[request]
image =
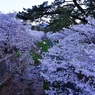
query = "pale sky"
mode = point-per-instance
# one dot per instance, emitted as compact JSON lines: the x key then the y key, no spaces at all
{"x":7,"y":6}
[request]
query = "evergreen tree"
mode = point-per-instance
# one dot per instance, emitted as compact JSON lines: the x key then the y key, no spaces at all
{"x":61,"y":13}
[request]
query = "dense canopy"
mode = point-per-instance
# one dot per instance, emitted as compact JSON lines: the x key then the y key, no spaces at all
{"x":67,"y":66}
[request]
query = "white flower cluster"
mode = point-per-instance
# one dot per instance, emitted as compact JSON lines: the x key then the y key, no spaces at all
{"x":71,"y":62}
{"x":16,"y":41}
{"x":69,"y":65}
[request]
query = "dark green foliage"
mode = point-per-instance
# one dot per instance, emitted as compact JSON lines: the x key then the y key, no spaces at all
{"x":44,"y":45}
{"x":35,"y":57}
{"x":45,"y":85}
{"x":62,"y":13}
{"x":1,"y":86}
{"x":18,"y":53}
{"x":35,"y":13}
{"x":57,"y":22}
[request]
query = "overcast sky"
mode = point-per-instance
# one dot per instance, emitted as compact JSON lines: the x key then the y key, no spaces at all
{"x":7,"y":6}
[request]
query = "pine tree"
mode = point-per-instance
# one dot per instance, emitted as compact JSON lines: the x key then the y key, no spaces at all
{"x":61,"y":13}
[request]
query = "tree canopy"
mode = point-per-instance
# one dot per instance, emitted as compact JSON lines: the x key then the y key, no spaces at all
{"x":60,"y":13}
{"x":66,"y":69}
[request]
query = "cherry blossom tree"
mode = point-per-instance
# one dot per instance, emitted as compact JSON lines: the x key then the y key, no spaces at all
{"x":68,"y":67}
{"x":16,"y":42}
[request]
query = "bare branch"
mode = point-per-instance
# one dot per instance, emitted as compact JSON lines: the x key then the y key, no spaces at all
{"x":78,"y":6}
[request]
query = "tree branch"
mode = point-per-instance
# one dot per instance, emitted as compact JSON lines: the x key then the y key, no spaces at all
{"x":82,"y":19}
{"x":78,"y":6}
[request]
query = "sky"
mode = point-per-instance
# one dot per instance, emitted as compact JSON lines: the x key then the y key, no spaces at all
{"x":7,"y":6}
